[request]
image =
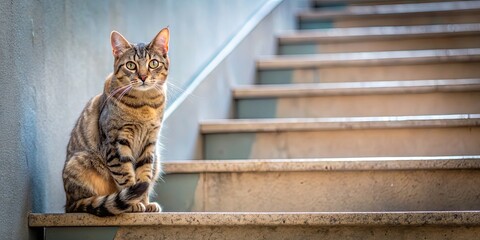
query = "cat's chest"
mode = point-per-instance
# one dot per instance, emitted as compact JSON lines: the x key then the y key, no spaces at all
{"x":144,"y":114}
{"x":138,"y":134}
{"x":138,"y":113}
{"x":141,"y":136}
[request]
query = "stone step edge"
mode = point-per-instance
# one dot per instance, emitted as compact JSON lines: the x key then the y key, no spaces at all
{"x":370,"y":1}
{"x":368,"y":58}
{"x":356,"y":88}
{"x":323,"y":164}
{"x":406,"y":9}
{"x":432,"y":218}
{"x":338,"y":123}
{"x":337,"y":35}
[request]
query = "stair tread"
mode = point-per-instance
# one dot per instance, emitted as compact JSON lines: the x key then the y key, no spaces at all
{"x":355,"y":88}
{"x":362,"y":33}
{"x":370,"y":1}
{"x":394,"y":9}
{"x":338,"y":123}
{"x":323,"y":164}
{"x":368,"y":58}
{"x":411,"y":218}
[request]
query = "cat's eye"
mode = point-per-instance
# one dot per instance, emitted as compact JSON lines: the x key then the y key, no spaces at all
{"x":130,"y":65}
{"x":153,"y":64}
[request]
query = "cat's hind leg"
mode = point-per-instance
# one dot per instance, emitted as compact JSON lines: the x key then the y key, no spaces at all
{"x":90,"y":188}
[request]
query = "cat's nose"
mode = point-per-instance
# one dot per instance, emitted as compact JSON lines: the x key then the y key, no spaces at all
{"x":143,"y":77}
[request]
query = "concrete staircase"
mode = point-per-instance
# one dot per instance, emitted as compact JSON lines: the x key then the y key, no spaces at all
{"x":364,"y":126}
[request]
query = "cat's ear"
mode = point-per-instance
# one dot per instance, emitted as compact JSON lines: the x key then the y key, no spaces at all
{"x":119,"y":43}
{"x":160,"y":42}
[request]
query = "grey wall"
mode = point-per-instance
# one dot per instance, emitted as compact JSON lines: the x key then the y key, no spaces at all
{"x":54,"y":57}
{"x":212,"y":99}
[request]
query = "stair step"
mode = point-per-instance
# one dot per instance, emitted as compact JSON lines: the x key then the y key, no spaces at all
{"x":322,"y":164}
{"x":347,"y":123}
{"x":380,"y":39}
{"x":342,"y":137}
{"x":370,"y":66}
{"x":326,"y":185}
{"x":353,"y":225}
{"x":361,"y":99}
{"x":341,"y":4}
{"x":393,"y":15}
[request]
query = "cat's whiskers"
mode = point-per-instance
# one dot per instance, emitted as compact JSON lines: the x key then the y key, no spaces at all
{"x":124,"y":92}
{"x":114,"y":92}
{"x":174,"y":89}
{"x":161,"y":178}
{"x":158,"y":88}
{"x":160,"y":145}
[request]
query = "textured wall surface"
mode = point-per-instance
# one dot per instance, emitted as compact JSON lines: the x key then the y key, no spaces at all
{"x":212,"y":98}
{"x":54,"y":57}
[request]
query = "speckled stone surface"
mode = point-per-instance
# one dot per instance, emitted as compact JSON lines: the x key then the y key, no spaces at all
{"x":375,"y":43}
{"x":296,"y":124}
{"x":384,"y":70}
{"x":392,"y":9}
{"x":341,"y":191}
{"x":283,"y":139}
{"x":324,"y":184}
{"x":323,"y":164}
{"x":351,"y":105}
{"x":390,"y":98}
{"x":356,"y":88}
{"x":349,"y":34}
{"x":369,"y":58}
{"x":299,"y":232}
{"x":453,"y":218}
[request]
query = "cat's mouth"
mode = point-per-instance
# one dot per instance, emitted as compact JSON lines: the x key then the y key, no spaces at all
{"x":146,"y":85}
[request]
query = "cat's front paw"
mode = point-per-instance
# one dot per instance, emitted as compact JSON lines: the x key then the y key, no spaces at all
{"x":153,"y":207}
{"x":138,"y":207}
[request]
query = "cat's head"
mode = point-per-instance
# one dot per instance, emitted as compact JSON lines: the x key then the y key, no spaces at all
{"x":142,"y":66}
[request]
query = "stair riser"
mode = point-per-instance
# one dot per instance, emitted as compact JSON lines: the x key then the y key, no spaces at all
{"x":440,"y":141}
{"x":80,"y":233}
{"x":338,"y":4}
{"x":369,"y":73}
{"x":392,"y":20}
{"x":325,"y":191}
{"x":380,"y":45}
{"x":266,"y":232}
{"x":298,"y":232}
{"x":360,"y":105}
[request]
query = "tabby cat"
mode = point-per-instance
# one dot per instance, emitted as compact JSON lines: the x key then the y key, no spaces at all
{"x":111,"y":164}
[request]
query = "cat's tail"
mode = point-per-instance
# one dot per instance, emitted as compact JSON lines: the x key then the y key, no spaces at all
{"x":127,"y":200}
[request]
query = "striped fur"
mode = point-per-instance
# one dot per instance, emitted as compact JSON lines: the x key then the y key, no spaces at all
{"x":112,"y":165}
